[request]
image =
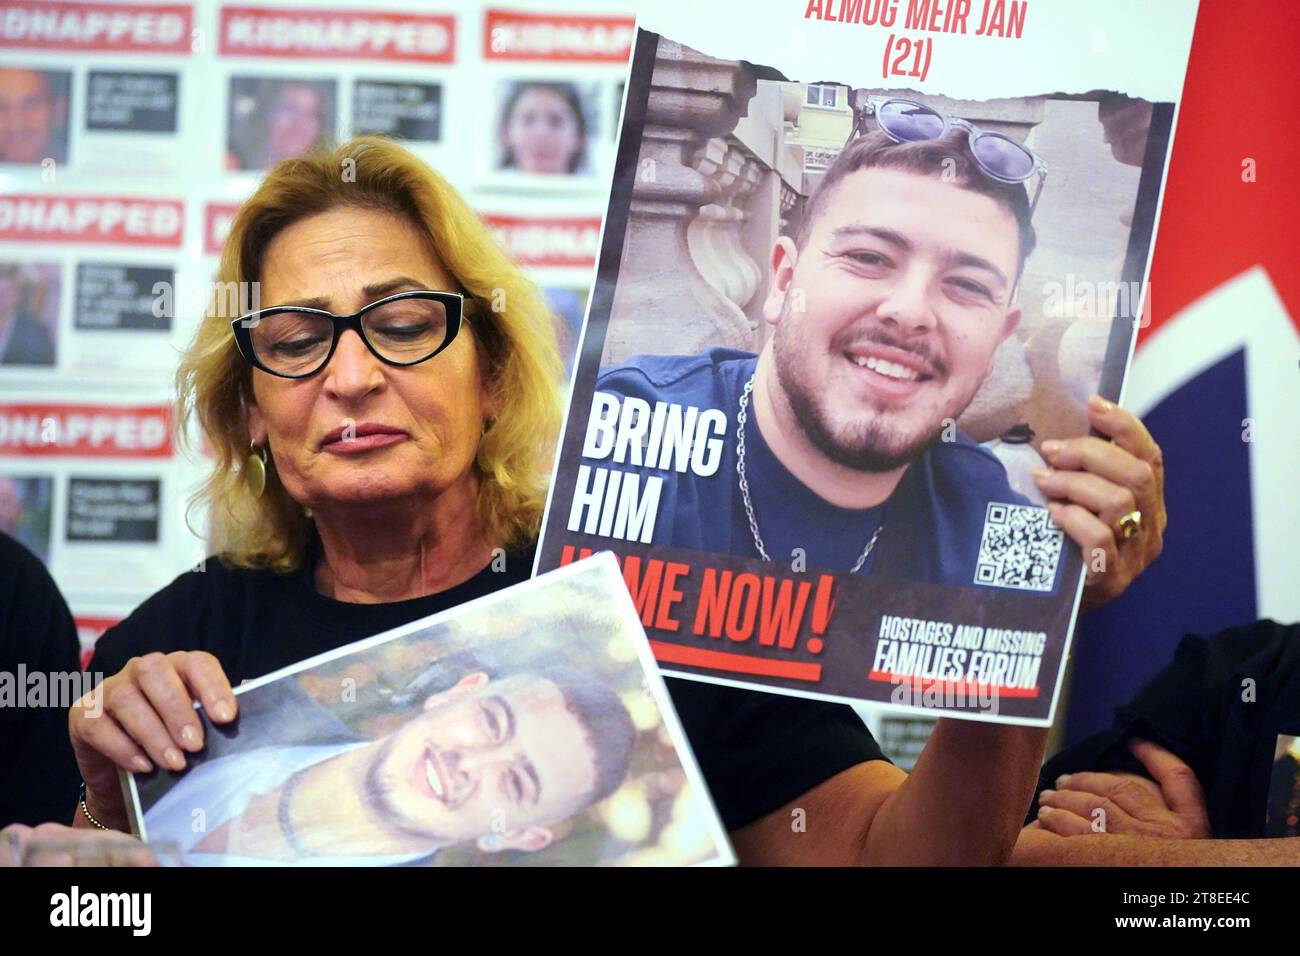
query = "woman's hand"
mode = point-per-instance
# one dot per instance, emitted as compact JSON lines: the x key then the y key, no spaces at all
{"x":144,"y":716}
{"x":1092,"y":483}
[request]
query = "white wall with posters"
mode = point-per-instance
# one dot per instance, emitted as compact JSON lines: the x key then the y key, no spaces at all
{"x":129,"y":134}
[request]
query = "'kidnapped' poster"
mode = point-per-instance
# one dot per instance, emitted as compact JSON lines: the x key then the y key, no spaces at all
{"x":861,"y":260}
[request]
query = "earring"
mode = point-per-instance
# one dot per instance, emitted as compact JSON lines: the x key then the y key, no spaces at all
{"x":255,"y":469}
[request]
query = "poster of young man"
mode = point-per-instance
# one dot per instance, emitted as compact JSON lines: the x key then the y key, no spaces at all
{"x":863,"y":268}
{"x":526,"y":728}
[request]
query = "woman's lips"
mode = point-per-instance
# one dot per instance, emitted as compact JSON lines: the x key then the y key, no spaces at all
{"x":363,"y":443}
{"x":364,"y":437}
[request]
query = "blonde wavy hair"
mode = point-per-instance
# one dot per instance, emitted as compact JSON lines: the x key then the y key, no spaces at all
{"x":513,"y":329}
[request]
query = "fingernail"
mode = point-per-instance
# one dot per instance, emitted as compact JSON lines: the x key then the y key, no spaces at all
{"x":190,"y":737}
{"x":223,"y":712}
{"x":1042,"y":473}
{"x":141,"y":765}
{"x":1063,"y":780}
{"x":1044,"y":811}
{"x":1052,"y":446}
{"x":174,"y":758}
{"x":1047,"y":793}
{"x":1100,"y":404}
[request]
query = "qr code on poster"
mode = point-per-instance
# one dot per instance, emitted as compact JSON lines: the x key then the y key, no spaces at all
{"x":1020,"y":548}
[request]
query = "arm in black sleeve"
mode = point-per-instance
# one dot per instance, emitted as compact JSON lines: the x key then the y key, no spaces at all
{"x":173,"y":619}
{"x":1182,"y":709}
{"x":759,"y":751}
{"x":37,"y":632}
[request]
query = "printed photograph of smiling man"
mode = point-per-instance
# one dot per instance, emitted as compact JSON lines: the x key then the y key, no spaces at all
{"x":523,"y":733}
{"x":895,"y":306}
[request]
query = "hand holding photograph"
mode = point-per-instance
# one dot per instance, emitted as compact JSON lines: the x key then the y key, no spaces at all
{"x":526,"y":728}
{"x":847,"y":314}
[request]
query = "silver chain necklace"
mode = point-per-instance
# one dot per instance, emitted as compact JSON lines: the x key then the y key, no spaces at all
{"x":741,"y":417}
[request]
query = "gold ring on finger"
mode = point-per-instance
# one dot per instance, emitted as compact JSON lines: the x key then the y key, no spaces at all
{"x":1129,"y":525}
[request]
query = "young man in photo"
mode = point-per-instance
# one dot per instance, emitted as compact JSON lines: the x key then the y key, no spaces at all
{"x":887,"y":308}
{"x":499,"y":763}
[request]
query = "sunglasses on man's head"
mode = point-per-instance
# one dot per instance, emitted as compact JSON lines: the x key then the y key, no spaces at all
{"x":997,"y":155}
{"x":403,"y":329}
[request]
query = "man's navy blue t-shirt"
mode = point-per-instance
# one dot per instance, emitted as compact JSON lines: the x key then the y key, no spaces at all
{"x":932,"y":523}
{"x":759,"y":751}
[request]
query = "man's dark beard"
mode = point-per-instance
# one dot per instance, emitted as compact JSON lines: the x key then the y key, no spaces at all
{"x":868,"y":454}
{"x":378,"y":795}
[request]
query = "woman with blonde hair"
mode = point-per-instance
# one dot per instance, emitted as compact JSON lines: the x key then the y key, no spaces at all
{"x":381,"y":427}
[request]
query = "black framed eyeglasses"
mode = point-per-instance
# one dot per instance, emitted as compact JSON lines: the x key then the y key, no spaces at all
{"x":997,"y":155}
{"x":403,"y":329}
